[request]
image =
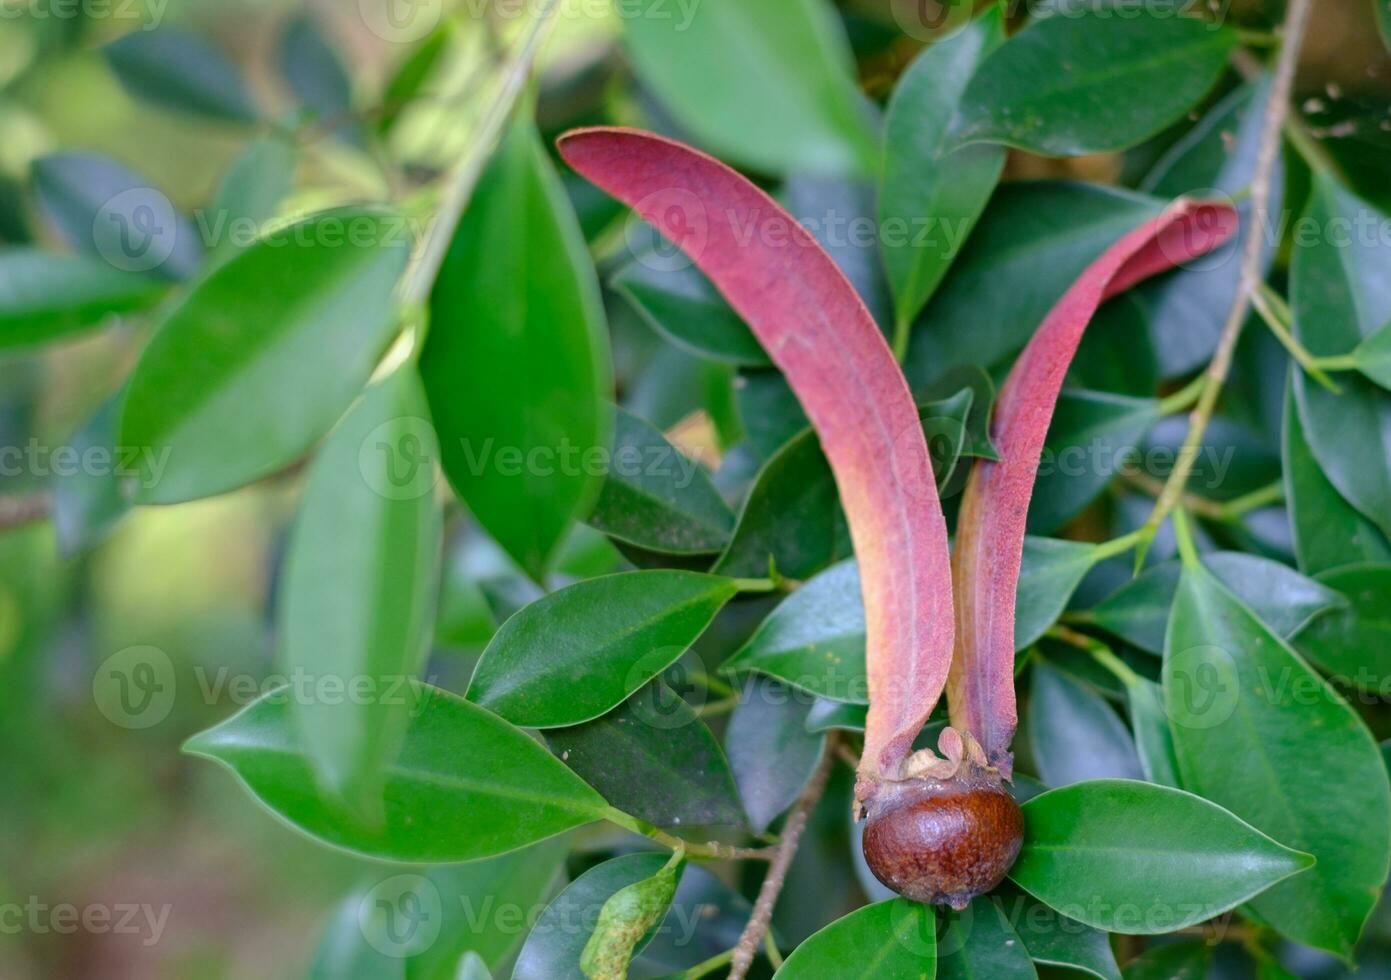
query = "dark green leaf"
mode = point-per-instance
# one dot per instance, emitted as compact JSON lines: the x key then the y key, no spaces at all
{"x":1055,"y":939}
{"x":358,"y":589}
{"x":676,"y":299}
{"x":1340,"y":294}
{"x":264,"y":354}
{"x":1052,"y":88}
{"x":466,"y":784}
{"x":103,"y":209}
{"x":1183,"y":960}
{"x":930,"y":200}
{"x":1354,"y":642}
{"x":979,"y":943}
{"x":87,"y":502}
{"x":1117,"y":354}
{"x":1150,"y":722}
{"x":1140,"y":859}
{"x":1074,"y":734}
{"x":967,"y":376}
{"x":704,"y":64}
{"x":251,"y":192}
{"x":657,"y":498}
{"x":626,"y":917}
{"x":826,"y":715}
{"x":516,"y":364}
{"x":771,"y":414}
{"x":1258,"y":731}
{"x":316,"y":76}
{"x":1373,"y":355}
{"x":1051,"y":571}
{"x":44,"y":296}
{"x":176,"y":69}
{"x":896,"y":938}
{"x":571,"y":656}
{"x":706,"y":918}
{"x":654,"y":758}
{"x":552,"y":949}
{"x":770,"y":750}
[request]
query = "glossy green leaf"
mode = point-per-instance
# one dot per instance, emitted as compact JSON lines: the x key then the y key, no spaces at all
{"x":1354,"y":642}
{"x":87,"y":502}
{"x":929,"y":200}
{"x":1340,"y":295}
{"x":653,"y":757}
{"x":979,"y":943}
{"x":105,"y":210}
{"x":1373,"y":355}
{"x":827,"y":714}
{"x":1141,"y":859}
{"x":1052,"y":88}
{"x":45,"y":296}
{"x":626,"y":917}
{"x":703,"y":64}
{"x":1051,"y":571}
{"x":358,"y":589}
{"x":676,"y":299}
{"x":896,"y":938}
{"x":770,"y":750}
{"x":1036,"y":236}
{"x":516,"y":363}
{"x":1056,"y":940}
{"x":466,"y":784}
{"x":571,"y":656}
{"x":1257,"y":731}
{"x":1153,"y":738}
{"x":264,"y":354}
{"x":553,"y":947}
{"x":1183,"y":960}
{"x":1138,"y":612}
{"x":1327,"y":530}
{"x":176,"y":69}
{"x":657,"y":498}
{"x":1074,"y":734}
{"x":250,"y":193}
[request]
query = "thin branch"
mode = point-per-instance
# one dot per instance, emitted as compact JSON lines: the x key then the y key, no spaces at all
{"x":752,"y":937}
{"x":1276,"y":112}
{"x":712,"y":850}
{"x":17,"y":510}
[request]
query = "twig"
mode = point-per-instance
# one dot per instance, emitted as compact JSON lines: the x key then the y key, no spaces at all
{"x":18,"y":510}
{"x":1277,"y":316}
{"x":752,"y":937}
{"x":714,"y":850}
{"x":1276,"y":111}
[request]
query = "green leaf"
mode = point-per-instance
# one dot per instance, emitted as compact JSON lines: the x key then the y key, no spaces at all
{"x":264,"y":354}
{"x":769,"y":411}
{"x":1257,"y":731}
{"x":1183,"y":960}
{"x":897,"y":938}
{"x":316,"y":76}
{"x":516,"y":364}
{"x":1074,"y":734}
{"x":1051,"y":571}
{"x":358,"y":589}
{"x":976,"y":440}
{"x":770,"y":750}
{"x":1327,"y":530}
{"x":1339,"y":295}
{"x":826,"y":715}
{"x":45,"y":296}
{"x":979,"y":943}
{"x":466,"y":784}
{"x":656,"y":498}
{"x":1383,"y":12}
{"x":1037,"y":236}
{"x":106,"y":210}
{"x":653,"y":757}
{"x":251,"y":191}
{"x":1373,"y":355}
{"x":1051,"y":89}
{"x":408,"y":83}
{"x":552,"y":949}
{"x":1138,"y":612}
{"x":1141,"y":859}
{"x":929,"y":199}
{"x":1354,"y":642}
{"x":703,"y":64}
{"x":571,"y":656}
{"x":629,"y":914}
{"x":176,"y":69}
{"x":1153,"y":739}
{"x":87,"y":503}
{"x":1056,"y":940}
{"x":676,"y":299}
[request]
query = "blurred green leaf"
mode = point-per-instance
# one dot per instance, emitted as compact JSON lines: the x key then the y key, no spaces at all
{"x":1140,"y":859}
{"x":466,"y":784}
{"x":1353,"y":642}
{"x":1258,"y":731}
{"x":176,"y":69}
{"x":264,"y":354}
{"x":251,"y":191}
{"x":414,"y":74}
{"x":770,"y":750}
{"x":316,"y":75}
{"x":1074,"y":734}
{"x":87,"y":503}
{"x":574,"y":654}
{"x":516,"y":364}
{"x":1051,"y":88}
{"x":704,"y":63}
{"x":896,"y":938}
{"x":625,"y":918}
{"x":46,"y":297}
{"x":358,"y":590}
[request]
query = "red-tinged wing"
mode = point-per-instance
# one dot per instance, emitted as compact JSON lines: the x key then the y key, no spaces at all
{"x":818,"y":332}
{"x":990,"y":529}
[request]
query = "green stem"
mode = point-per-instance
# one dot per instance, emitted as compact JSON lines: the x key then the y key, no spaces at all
{"x":1120,"y":545}
{"x":903,"y":328}
{"x":710,"y":850}
{"x":1183,"y":531}
{"x":1183,"y":399}
{"x":709,"y":966}
{"x":1336,"y":362}
{"x":720,"y":707}
{"x":1100,"y":652}
{"x":1275,"y":312}
{"x":1271,"y":493}
{"x":757,"y":584}
{"x":770,"y":948}
{"x":712,"y":683}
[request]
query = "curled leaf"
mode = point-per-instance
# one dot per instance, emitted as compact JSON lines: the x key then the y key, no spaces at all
{"x":628,"y":915}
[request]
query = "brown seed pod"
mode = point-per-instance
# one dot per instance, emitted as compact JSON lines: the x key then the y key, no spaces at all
{"x":943,"y":841}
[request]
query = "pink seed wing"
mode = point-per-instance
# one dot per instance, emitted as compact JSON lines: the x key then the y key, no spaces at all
{"x":817,"y":331}
{"x":990,"y":528}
